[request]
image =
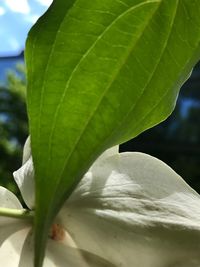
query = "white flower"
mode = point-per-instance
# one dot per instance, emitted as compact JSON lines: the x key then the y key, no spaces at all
{"x":129,"y":210}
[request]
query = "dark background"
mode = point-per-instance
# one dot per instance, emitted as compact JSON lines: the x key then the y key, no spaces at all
{"x":176,"y":141}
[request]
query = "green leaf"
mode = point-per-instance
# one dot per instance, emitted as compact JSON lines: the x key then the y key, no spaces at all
{"x":99,"y":73}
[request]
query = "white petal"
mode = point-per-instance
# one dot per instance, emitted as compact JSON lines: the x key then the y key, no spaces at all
{"x":24,"y":177}
{"x":27,"y":150}
{"x":64,"y":256}
{"x":8,"y":226}
{"x":133,"y":210}
{"x":18,"y":251}
{"x":57,"y":255}
{"x":8,"y":199}
{"x":11,"y":249}
{"x":107,"y":153}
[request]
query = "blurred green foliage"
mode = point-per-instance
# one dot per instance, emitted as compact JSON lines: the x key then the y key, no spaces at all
{"x":13,"y":125}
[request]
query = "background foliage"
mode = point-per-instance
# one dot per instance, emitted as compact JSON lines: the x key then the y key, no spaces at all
{"x":13,"y":125}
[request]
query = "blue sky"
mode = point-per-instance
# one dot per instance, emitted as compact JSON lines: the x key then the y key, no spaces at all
{"x":16,"y":18}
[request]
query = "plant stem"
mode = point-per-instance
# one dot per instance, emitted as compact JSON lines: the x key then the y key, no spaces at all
{"x":22,"y":214}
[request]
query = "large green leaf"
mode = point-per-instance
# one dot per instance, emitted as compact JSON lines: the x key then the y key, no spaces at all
{"x":99,"y":73}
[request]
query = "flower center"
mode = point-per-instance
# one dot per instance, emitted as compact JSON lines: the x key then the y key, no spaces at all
{"x":57,"y":232}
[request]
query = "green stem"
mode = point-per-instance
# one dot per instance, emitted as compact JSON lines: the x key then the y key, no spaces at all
{"x":22,"y":214}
